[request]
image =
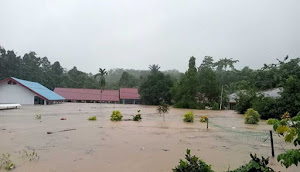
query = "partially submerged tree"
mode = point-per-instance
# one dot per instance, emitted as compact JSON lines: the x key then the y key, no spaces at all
{"x":163,"y":108}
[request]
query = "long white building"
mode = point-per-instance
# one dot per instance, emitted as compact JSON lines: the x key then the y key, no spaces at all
{"x":14,"y":90}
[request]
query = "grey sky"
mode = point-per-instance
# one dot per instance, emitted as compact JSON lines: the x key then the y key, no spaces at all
{"x":136,"y":33}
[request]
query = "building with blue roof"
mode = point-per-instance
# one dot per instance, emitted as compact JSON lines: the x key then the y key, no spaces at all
{"x":14,"y":90}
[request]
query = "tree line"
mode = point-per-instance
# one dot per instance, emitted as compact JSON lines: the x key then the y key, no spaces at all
{"x":200,"y":86}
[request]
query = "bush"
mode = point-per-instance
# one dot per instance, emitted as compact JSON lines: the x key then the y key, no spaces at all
{"x":255,"y":165}
{"x":272,"y":121}
{"x":137,"y":117}
{"x":39,"y":116}
{"x":92,"y":118}
{"x":6,"y":163}
{"x":116,"y":116}
{"x":215,"y":106}
{"x":251,"y":116}
{"x":203,"y":118}
{"x":188,"y":117}
{"x":192,"y":164}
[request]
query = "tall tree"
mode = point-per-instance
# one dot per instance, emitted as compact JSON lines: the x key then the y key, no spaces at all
{"x":128,"y":80}
{"x":185,"y":91}
{"x":101,"y":74}
{"x":155,"y":88}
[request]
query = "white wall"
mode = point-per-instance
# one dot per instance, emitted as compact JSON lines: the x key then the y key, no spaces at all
{"x":15,"y":94}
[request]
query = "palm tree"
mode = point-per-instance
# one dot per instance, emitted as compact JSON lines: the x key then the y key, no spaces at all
{"x":101,"y":74}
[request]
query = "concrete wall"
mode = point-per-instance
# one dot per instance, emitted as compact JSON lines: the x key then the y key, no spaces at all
{"x":15,"y":94}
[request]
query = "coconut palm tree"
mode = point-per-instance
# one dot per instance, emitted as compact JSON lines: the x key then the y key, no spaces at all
{"x":101,"y":74}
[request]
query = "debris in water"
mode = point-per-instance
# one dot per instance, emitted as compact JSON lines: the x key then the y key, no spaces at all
{"x":49,"y":132}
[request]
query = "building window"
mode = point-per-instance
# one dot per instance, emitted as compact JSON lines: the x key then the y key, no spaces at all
{"x":11,"y":82}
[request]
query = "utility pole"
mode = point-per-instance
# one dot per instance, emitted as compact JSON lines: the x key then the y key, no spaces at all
{"x":221,"y":98}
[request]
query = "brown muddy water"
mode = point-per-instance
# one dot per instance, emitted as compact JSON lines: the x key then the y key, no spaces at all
{"x":150,"y":145}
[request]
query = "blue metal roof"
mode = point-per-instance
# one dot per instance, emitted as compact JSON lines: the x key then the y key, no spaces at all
{"x":40,"y":89}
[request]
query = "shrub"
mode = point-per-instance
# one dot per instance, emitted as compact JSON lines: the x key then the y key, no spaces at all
{"x":116,"y":116}
{"x":215,"y":106}
{"x":92,"y":118}
{"x":203,"y":118}
{"x":137,"y":117}
{"x":251,"y":116}
{"x":192,"y":164}
{"x":6,"y":163}
{"x":39,"y":116}
{"x":188,"y":117}
{"x":272,"y":121}
{"x":255,"y":165}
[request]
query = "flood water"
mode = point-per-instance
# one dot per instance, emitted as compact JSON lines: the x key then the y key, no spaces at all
{"x":151,"y":145}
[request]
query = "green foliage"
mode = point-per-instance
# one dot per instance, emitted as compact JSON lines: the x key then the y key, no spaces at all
{"x":289,"y":158}
{"x":203,"y":118}
{"x":256,"y":165}
{"x":272,"y":121}
{"x":266,"y":106}
{"x":188,"y":117}
{"x":116,"y":116}
{"x":185,"y":91}
{"x":127,"y":80}
{"x":192,"y":164}
{"x":156,"y":87}
{"x":215,"y":106}
{"x":244,"y":100}
{"x":289,"y":128}
{"x":6,"y":163}
{"x":290,"y":96}
{"x":39,"y":116}
{"x":251,"y":116}
{"x":138,"y":116}
{"x":92,"y":118}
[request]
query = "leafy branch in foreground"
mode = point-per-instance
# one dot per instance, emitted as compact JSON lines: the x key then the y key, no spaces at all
{"x":289,"y":128}
{"x":194,"y":164}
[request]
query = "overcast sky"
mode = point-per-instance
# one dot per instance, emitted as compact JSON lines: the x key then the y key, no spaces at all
{"x":135,"y":33}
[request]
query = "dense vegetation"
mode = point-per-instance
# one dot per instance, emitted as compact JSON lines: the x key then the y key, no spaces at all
{"x":199,"y":87}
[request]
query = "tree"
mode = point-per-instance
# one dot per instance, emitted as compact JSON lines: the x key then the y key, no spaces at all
{"x":127,"y":80}
{"x":101,"y":74}
{"x":209,"y":85}
{"x":163,"y":108}
{"x":155,"y":88}
{"x":290,"y":96}
{"x":222,"y":64}
{"x":186,"y":90}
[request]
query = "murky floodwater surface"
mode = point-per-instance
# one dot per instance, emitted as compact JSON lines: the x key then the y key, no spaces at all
{"x":150,"y":145}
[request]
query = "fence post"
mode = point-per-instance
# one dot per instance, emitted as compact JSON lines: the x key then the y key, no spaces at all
{"x":207,"y":123}
{"x":272,"y":145}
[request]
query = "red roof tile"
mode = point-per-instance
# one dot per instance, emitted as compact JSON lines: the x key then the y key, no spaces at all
{"x":88,"y":94}
{"x":129,"y":93}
